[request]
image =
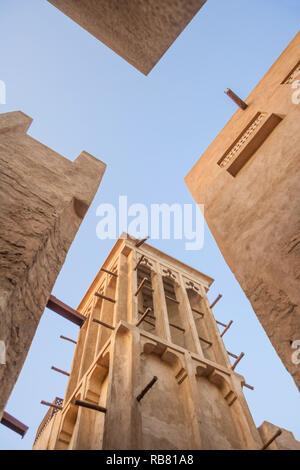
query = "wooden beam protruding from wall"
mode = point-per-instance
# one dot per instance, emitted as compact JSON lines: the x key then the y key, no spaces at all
{"x":14,"y":424}
{"x":236,"y":99}
{"x":65,"y":311}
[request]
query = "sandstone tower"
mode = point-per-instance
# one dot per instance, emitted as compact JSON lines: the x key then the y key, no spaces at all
{"x":150,"y":370}
{"x":248,"y":180}
{"x":44,"y":198}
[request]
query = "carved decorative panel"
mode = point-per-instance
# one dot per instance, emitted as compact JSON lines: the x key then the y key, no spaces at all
{"x":168,"y":273}
{"x":293,"y":75}
{"x":251,"y":138}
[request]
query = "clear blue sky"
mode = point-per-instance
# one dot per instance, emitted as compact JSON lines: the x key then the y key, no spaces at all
{"x":149,"y":131}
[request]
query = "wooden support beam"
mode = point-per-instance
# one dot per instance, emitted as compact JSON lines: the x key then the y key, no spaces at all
{"x":60,"y":371}
{"x":65,"y":311}
{"x":141,"y":242}
{"x":236,"y":99}
{"x":248,"y":386}
{"x":238,"y":360}
{"x":147,"y":388}
{"x":149,"y":309}
{"x":52,"y":405}
{"x":139,"y":262}
{"x":149,"y":316}
{"x":215,"y":301}
{"x":103,"y":323}
{"x":277,"y":434}
{"x":227,"y":328}
{"x":141,"y":285}
{"x":68,"y":339}
{"x":109,"y":272}
{"x":232,"y":355}
{"x":91,"y":406}
{"x":220,"y":323}
{"x":197,"y":311}
{"x":14,"y":424}
{"x":105,"y":297}
{"x":205,"y":340}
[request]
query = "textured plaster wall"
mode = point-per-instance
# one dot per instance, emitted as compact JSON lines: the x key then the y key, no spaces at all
{"x":255,"y":216}
{"x":43,"y":199}
{"x":139,"y":31}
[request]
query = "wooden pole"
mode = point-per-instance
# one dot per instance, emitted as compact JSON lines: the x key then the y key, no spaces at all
{"x":277,"y":433}
{"x":232,"y":355}
{"x":149,"y":309}
{"x":147,"y":388}
{"x":238,"y":360}
{"x":220,"y":323}
{"x":139,"y":262}
{"x":65,"y":311}
{"x":149,"y":316}
{"x":91,"y":406}
{"x":109,"y":272}
{"x":141,"y":242}
{"x":215,"y":301}
{"x":68,"y":339}
{"x":141,"y":285}
{"x":236,"y":99}
{"x":248,"y":386}
{"x":227,"y":328}
{"x":103,"y":323}
{"x":52,"y":405}
{"x":14,"y":424}
{"x":60,"y":371}
{"x":104,"y":297}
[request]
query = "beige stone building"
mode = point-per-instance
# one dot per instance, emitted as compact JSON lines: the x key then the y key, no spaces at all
{"x":248,"y":180}
{"x":139,"y":31}
{"x":43,"y":199}
{"x":150,"y":369}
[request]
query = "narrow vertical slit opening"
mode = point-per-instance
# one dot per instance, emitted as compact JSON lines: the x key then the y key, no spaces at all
{"x":145,"y":300}
{"x":177,"y":329}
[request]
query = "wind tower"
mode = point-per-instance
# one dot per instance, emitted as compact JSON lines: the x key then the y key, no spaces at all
{"x":150,"y":369}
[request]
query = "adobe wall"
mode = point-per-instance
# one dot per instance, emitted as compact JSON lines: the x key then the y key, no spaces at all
{"x":43,"y":200}
{"x":254,"y":215}
{"x":140,"y":32}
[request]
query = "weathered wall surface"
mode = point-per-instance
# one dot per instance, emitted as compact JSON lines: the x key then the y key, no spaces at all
{"x":255,"y":215}
{"x":43,"y":198}
{"x":285,"y":441}
{"x":140,"y":32}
